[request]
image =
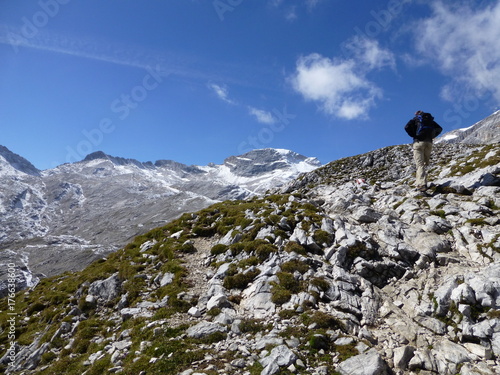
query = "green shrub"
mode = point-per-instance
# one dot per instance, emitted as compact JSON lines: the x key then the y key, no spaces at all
{"x":249,"y":262}
{"x":185,"y":355}
{"x":214,"y":311}
{"x":237,"y":248}
{"x":48,"y":357}
{"x":294,"y":247}
{"x":280,"y":295}
{"x":240,"y":280}
{"x":263,"y":251}
{"x":100,"y":367}
{"x":204,"y":231}
{"x":186,"y":248}
{"x":219,"y":249}
{"x":319,"y":342}
{"x":321,"y":283}
{"x":282,"y":292}
{"x":273,"y":219}
{"x":295,"y":265}
{"x":322,"y":320}
{"x":287,"y":281}
{"x":322,"y":237}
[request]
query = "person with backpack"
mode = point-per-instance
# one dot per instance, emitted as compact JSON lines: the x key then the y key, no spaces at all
{"x":423,"y":129}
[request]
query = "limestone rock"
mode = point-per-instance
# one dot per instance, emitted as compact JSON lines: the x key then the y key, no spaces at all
{"x":369,"y":363}
{"x":204,"y":329}
{"x":107,"y":289}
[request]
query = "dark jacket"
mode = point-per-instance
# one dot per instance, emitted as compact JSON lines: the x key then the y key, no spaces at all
{"x":411,"y":129}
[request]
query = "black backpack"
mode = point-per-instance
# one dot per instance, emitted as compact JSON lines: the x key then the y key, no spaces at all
{"x":426,"y":128}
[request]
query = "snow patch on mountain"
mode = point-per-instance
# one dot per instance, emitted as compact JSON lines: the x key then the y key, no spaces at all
{"x":13,"y":164}
{"x":486,"y":131}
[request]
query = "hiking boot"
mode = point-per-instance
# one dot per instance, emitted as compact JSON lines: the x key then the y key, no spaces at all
{"x":422,"y":188}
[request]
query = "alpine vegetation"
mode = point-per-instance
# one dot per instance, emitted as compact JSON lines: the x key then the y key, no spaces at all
{"x":345,"y":270}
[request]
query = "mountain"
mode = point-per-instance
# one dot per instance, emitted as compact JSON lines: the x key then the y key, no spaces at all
{"x":15,"y":164}
{"x":483,"y":132}
{"x":344,"y":270}
{"x":64,"y":218}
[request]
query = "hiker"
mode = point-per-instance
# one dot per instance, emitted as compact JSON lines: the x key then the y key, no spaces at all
{"x":423,"y":129}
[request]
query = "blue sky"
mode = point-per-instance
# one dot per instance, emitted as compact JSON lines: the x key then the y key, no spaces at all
{"x":197,"y":81}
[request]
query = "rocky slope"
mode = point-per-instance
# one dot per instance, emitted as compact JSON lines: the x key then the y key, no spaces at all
{"x":64,"y":218}
{"x":347,"y":270}
{"x":483,"y":132}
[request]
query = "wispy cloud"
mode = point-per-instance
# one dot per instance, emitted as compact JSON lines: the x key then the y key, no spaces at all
{"x":312,"y":3}
{"x":103,"y":51}
{"x":262,"y":116}
{"x":340,"y":86}
{"x":291,"y":11}
{"x":78,"y":47}
{"x":221,"y":91}
{"x":463,"y":44}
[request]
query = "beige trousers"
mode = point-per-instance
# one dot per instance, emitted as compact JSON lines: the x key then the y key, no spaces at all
{"x":422,"y":156}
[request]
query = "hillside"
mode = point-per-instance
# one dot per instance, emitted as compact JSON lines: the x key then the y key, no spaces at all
{"x":346,"y":270}
{"x":63,"y":219}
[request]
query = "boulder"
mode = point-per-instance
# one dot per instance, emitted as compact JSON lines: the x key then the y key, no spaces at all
{"x":281,"y":356}
{"x":402,"y":356}
{"x":368,"y":363}
{"x":365,"y":214}
{"x":107,"y":289}
{"x":204,"y":329}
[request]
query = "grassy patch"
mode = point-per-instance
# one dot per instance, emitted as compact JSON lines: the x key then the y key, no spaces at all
{"x":240,"y":280}
{"x":478,"y":221}
{"x":322,"y":320}
{"x":439,"y":213}
{"x":254,"y":326}
{"x":295,"y":265}
{"x":294,"y":247}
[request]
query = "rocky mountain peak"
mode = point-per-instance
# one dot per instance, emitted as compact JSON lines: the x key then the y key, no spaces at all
{"x":100,"y":155}
{"x":12,"y":161}
{"x":267,"y":160}
{"x":483,"y":132}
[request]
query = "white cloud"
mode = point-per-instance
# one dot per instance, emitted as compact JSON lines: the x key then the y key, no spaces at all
{"x":341,"y":86}
{"x":312,"y":3}
{"x":291,"y":14}
{"x":262,"y":116}
{"x":291,"y":11}
{"x":369,"y":53}
{"x":463,"y":44}
{"x":221,"y":91}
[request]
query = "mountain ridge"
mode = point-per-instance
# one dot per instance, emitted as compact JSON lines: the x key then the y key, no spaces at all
{"x":79,"y":212}
{"x":484,"y":131}
{"x":17,"y":162}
